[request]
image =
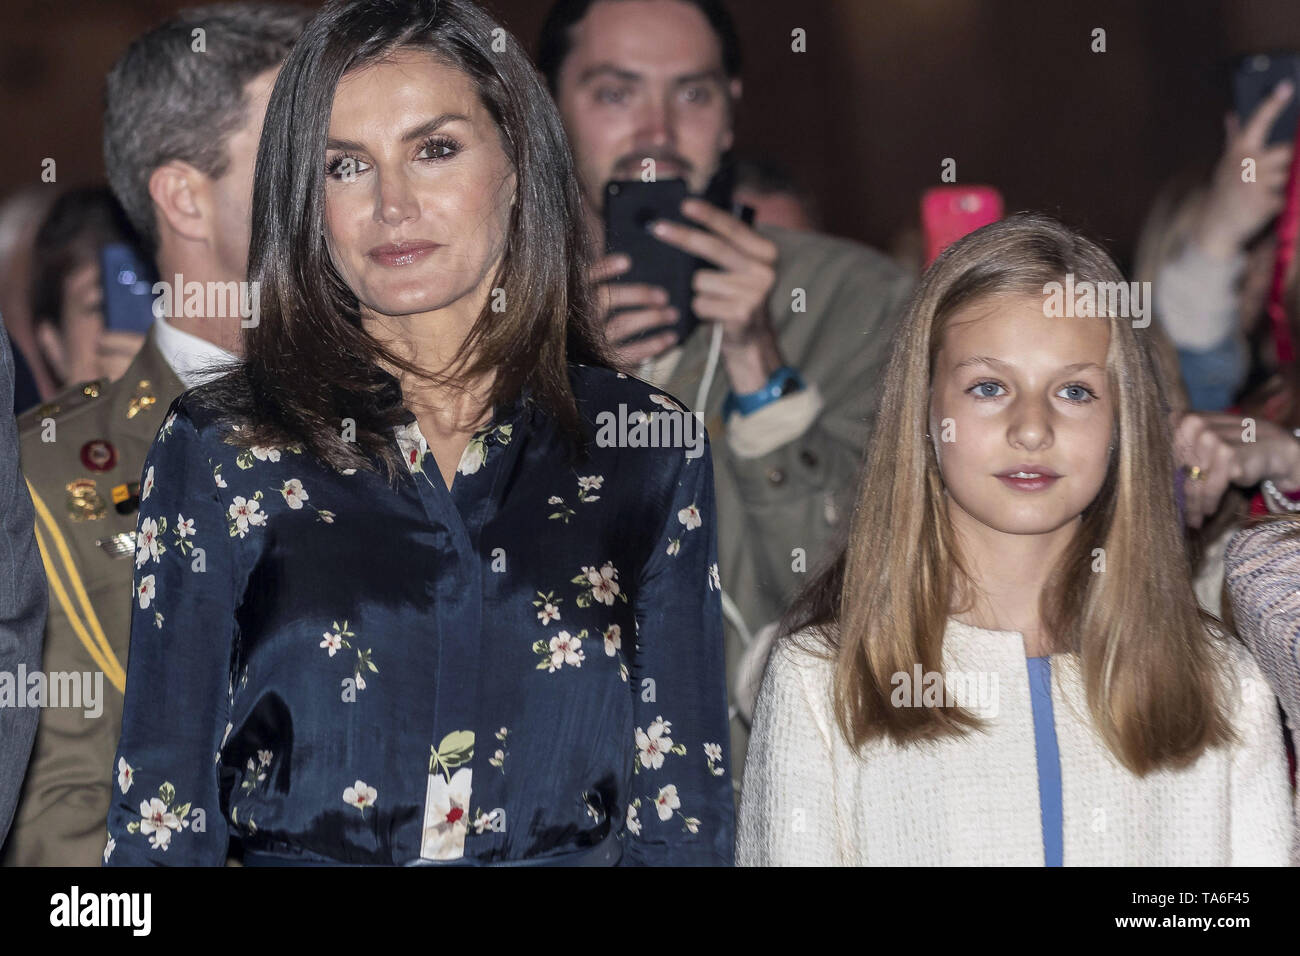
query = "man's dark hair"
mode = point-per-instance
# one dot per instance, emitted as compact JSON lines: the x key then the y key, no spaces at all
{"x":555,"y":42}
{"x":309,"y":363}
{"x":179,"y":94}
{"x":79,"y":224}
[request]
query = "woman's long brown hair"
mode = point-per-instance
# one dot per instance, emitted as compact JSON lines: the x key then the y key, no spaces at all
{"x":1148,"y":656}
{"x":309,"y":364}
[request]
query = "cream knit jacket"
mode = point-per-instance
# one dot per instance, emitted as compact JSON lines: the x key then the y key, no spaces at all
{"x":807,"y":799}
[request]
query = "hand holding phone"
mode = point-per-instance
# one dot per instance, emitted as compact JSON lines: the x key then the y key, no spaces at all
{"x":627,"y":308}
{"x":654,"y":281}
{"x":1237,"y":208}
{"x":657,"y":276}
{"x":1254,"y":82}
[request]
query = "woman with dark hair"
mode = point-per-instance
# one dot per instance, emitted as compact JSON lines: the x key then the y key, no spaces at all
{"x":398,"y":599}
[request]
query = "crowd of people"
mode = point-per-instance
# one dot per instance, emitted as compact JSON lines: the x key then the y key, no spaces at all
{"x":956,"y":579}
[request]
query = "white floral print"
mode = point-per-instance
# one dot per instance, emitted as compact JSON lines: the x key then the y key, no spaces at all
{"x":653,"y":743}
{"x":160,"y":818}
{"x":245,"y":513}
{"x":147,"y":486}
{"x":332,"y":641}
{"x":360,"y":795}
{"x":293,"y":493}
{"x":566,"y":649}
{"x":476,"y":452}
{"x":588,"y":485}
{"x":147,"y":542}
{"x":498,"y":759}
{"x":690,"y":517}
{"x":602,"y":584}
{"x":613,"y":639}
{"x":145,"y":591}
{"x":124,"y":774}
{"x":667,"y":802}
{"x":713,"y":755}
{"x":412,"y":445}
{"x":549,"y":607}
{"x":446,"y":816}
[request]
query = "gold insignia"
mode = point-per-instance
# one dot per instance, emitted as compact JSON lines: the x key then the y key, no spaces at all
{"x":120,"y":545}
{"x":48,"y":409}
{"x":91,"y":389}
{"x":143,"y":398}
{"x":84,"y":501}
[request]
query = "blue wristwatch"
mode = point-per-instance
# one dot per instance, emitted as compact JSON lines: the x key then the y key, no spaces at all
{"x":784,"y":381}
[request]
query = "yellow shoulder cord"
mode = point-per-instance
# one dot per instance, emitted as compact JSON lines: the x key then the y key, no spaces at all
{"x":98,"y":647}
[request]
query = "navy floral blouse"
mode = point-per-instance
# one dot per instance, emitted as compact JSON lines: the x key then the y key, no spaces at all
{"x":526,"y":668}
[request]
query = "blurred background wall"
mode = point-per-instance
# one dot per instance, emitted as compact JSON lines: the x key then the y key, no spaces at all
{"x":886,"y":90}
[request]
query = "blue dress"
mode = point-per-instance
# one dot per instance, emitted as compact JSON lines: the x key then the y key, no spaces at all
{"x":525,"y":668}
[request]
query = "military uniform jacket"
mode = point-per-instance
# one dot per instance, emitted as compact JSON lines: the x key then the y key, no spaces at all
{"x":75,"y":451}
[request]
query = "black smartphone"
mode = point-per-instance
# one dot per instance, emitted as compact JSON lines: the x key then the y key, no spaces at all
{"x":1253,"y":80}
{"x":127,"y":281}
{"x":630,"y":207}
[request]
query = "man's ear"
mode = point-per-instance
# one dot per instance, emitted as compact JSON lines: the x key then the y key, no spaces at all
{"x":50,"y":342}
{"x":736,"y":88}
{"x":181,"y":200}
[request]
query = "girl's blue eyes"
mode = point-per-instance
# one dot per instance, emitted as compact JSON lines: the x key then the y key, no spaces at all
{"x":1079,"y":394}
{"x":982,"y":385}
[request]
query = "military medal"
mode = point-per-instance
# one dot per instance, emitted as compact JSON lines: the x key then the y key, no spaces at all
{"x":98,"y":455}
{"x":120,"y":545}
{"x":142,"y":399}
{"x":84,"y":501}
{"x":126,"y":498}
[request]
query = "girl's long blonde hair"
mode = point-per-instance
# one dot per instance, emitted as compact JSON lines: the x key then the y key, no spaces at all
{"x":1147,"y":653}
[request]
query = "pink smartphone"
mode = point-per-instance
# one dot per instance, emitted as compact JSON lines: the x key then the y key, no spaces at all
{"x":950,"y":212}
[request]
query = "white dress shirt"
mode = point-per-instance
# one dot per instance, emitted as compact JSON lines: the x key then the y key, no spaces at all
{"x":192,"y":359}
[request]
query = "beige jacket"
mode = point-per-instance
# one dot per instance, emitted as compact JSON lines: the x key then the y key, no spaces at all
{"x":785,"y":476}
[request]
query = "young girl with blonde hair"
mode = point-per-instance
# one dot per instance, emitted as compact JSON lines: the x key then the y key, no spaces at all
{"x":1006,"y":664}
